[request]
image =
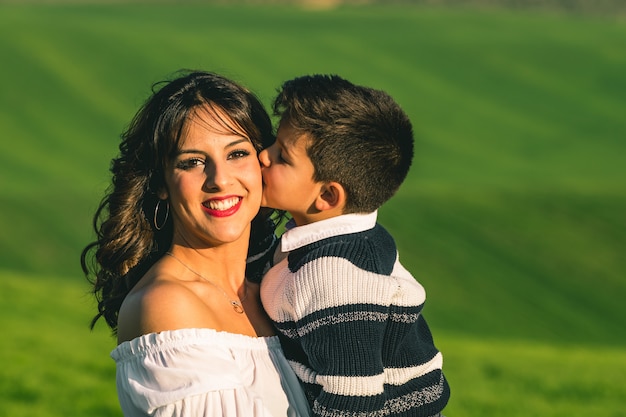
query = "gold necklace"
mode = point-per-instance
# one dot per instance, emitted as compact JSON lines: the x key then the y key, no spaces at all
{"x":237,"y":305}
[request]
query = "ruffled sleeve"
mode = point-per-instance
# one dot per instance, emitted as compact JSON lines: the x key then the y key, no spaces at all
{"x":201,"y":372}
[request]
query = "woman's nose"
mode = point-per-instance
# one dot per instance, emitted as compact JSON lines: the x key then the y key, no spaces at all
{"x":218,"y":176}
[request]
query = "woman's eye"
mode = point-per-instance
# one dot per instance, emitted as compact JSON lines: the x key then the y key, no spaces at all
{"x":238,"y":154}
{"x":186,"y":164}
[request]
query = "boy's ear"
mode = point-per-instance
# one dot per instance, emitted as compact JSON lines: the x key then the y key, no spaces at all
{"x":332,"y":196}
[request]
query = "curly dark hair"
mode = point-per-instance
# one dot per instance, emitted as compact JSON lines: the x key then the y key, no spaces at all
{"x":127,"y":241}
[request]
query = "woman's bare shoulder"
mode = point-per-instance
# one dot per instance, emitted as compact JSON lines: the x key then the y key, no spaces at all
{"x":158,"y":305}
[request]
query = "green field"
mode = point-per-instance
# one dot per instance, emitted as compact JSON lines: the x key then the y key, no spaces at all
{"x":513,"y":216}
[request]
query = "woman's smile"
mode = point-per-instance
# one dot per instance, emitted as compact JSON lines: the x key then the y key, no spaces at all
{"x":222,"y":207}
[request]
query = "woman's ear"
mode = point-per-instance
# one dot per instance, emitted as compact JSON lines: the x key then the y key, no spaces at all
{"x":332,"y":196}
{"x":163,"y":194}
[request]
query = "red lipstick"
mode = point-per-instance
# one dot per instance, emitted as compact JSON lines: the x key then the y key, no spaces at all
{"x":223,"y":206}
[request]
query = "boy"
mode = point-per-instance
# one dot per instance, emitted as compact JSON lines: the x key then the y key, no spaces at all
{"x":347,"y":312}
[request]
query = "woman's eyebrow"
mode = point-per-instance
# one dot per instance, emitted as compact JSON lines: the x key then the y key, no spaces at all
{"x":228,"y":145}
{"x":237,"y":142}
{"x":190,"y":151}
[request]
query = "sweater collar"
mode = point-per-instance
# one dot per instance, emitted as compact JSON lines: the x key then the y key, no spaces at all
{"x":298,"y":236}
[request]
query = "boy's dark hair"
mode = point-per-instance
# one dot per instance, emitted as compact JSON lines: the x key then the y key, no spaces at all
{"x":357,"y":136}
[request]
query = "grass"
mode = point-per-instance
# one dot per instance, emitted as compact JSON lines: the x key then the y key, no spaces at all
{"x":512,"y":216}
{"x":52,"y":364}
{"x":530,"y":276}
{"x":526,"y":379}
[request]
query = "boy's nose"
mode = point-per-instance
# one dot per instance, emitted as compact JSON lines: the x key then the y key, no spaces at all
{"x":264,"y":158}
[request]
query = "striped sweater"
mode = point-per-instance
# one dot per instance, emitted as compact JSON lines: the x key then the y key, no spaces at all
{"x":349,"y":319}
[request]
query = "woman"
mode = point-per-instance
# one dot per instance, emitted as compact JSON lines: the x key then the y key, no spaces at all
{"x":170,"y":258}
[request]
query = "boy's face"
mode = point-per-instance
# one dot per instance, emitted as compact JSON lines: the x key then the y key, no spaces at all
{"x":288,"y":175}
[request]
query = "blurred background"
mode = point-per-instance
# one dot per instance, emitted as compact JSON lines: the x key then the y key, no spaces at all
{"x":513,"y":215}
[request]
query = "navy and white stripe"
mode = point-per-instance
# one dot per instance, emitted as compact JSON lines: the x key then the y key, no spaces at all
{"x":349,"y":317}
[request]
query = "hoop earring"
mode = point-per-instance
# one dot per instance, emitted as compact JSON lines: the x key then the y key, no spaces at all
{"x":156,"y":211}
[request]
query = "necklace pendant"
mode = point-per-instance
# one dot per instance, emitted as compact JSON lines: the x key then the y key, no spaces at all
{"x":237,"y":307}
{"x":236,"y":304}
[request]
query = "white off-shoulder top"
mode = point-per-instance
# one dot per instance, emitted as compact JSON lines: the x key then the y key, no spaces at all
{"x":203,"y":372}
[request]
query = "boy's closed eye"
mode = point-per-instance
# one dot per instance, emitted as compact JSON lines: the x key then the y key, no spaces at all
{"x":277,"y":153}
{"x":281,"y":157}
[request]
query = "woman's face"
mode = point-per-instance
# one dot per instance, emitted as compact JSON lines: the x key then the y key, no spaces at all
{"x":214,"y":183}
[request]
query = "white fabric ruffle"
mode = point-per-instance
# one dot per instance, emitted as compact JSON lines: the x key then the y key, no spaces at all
{"x":202,"y":372}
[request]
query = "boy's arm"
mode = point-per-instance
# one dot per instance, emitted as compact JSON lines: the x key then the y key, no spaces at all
{"x":345,"y":355}
{"x":341,"y":313}
{"x":365,"y":341}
